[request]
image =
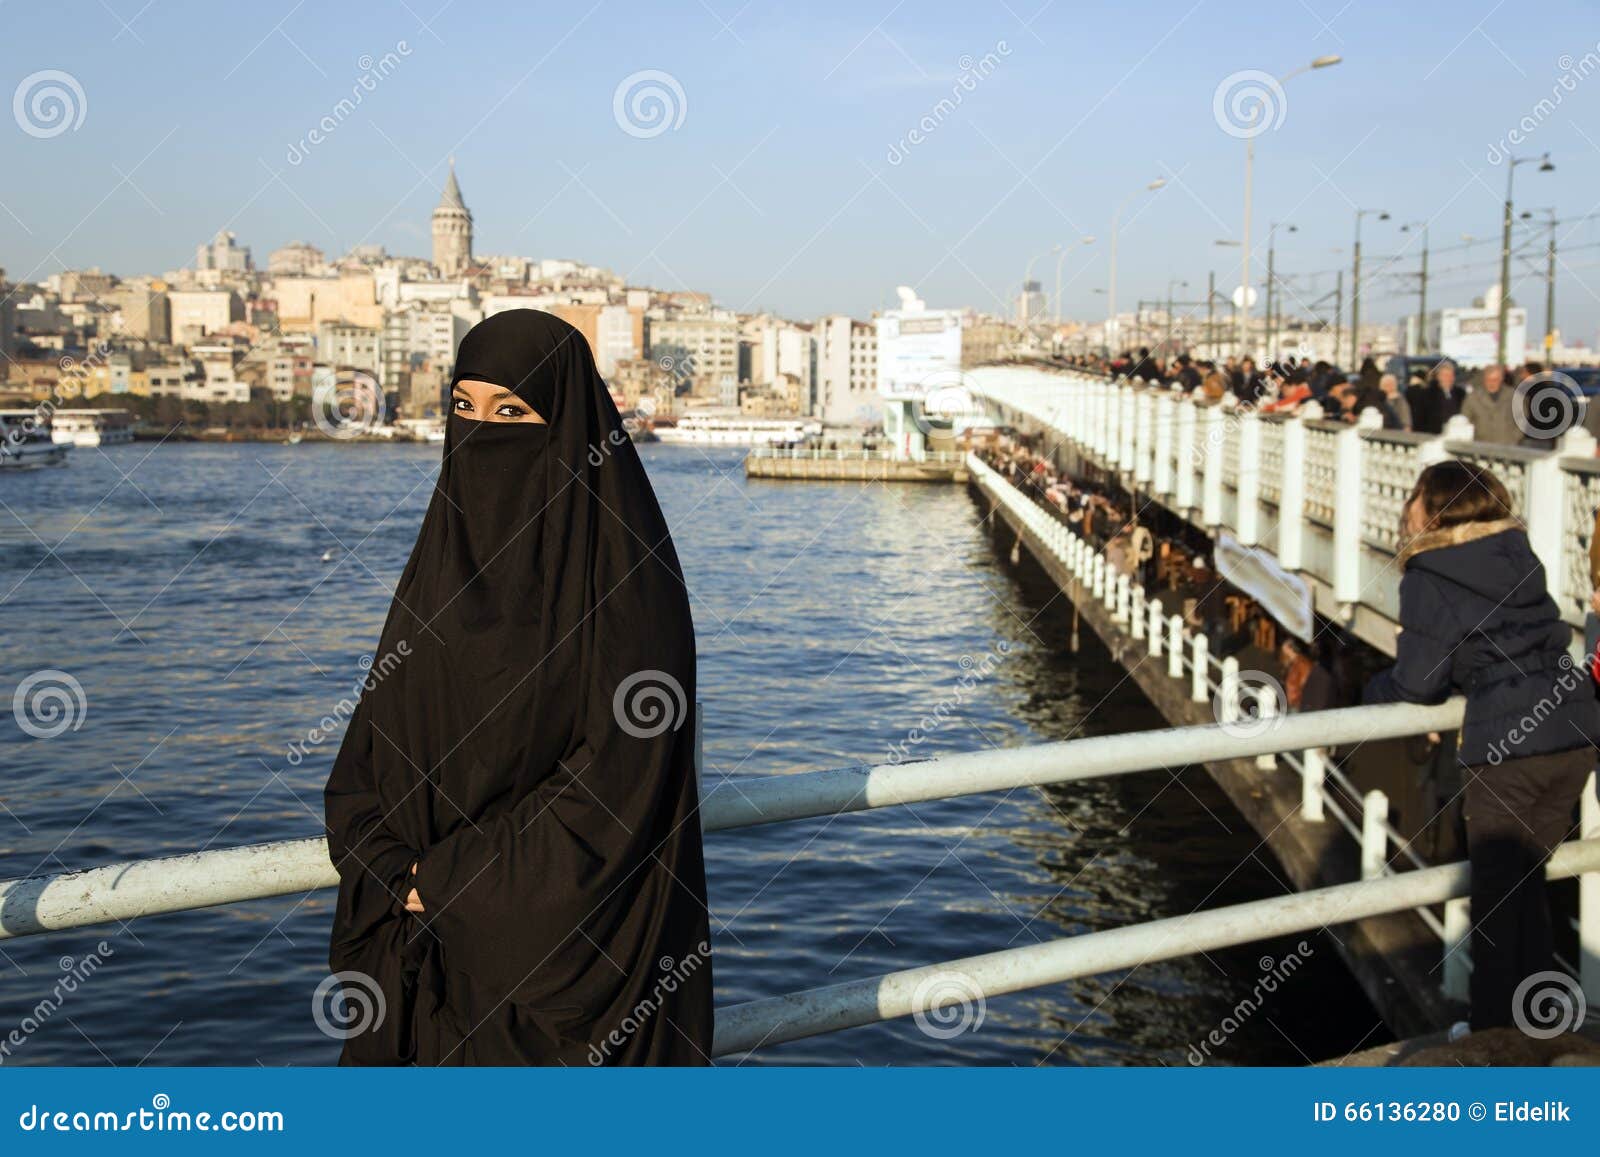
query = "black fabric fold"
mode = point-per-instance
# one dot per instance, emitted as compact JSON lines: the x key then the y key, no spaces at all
{"x":526,"y":738}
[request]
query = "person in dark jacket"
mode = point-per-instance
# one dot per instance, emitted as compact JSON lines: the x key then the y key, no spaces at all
{"x":1475,"y":617}
{"x":1434,"y":404}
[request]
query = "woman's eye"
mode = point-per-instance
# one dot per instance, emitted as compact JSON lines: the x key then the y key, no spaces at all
{"x":509,"y":411}
{"x":462,"y":404}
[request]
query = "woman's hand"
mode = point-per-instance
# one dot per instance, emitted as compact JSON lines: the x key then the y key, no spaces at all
{"x":1594,"y":601}
{"x":413,"y":901}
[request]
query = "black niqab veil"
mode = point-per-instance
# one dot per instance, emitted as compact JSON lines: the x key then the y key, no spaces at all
{"x":526,"y":738}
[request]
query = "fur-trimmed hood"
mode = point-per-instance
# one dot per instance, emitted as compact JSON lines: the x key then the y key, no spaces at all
{"x":1457,"y":535}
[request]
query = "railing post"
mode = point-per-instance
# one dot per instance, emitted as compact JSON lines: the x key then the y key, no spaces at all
{"x":1314,"y":764}
{"x":1099,"y":581}
{"x":1211,"y":434}
{"x":1163,"y":413}
{"x":1228,"y":691}
{"x":1292,"y":496}
{"x":1374,"y":834}
{"x":1175,"y":647}
{"x":1154,"y":627}
{"x":1347,"y":508}
{"x":1267,"y":710}
{"x":1200,"y":686}
{"x":1124,"y":600}
{"x":1589,"y":902}
{"x":1127,"y":422}
{"x":1144,"y":435}
{"x":1136,"y":611}
{"x":1457,"y":984}
{"x":1110,"y":590}
{"x":1546,"y":515}
{"x":1186,"y":456}
{"x":1246,"y":519}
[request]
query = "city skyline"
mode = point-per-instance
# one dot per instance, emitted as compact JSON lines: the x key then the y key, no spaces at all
{"x":810,"y":166}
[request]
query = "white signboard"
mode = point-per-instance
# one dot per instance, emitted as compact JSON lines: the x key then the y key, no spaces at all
{"x":917,"y":349}
{"x":1470,"y":337}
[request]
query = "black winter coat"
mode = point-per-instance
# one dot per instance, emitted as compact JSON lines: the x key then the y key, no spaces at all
{"x":1475,"y":617}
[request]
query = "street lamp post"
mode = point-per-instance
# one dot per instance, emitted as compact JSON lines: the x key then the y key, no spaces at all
{"x":1111,"y":283}
{"x":1065,"y":249}
{"x":1505,"y":250}
{"x":1355,"y":284}
{"x":1249,"y":174}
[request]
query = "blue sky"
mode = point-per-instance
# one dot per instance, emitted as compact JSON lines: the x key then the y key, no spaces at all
{"x":777,"y":189}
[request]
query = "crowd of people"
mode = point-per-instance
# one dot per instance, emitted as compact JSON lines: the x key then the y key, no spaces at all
{"x":1422,"y":404}
{"x":1476,"y":620}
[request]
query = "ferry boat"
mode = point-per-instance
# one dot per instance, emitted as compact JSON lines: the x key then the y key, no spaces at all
{"x":25,"y":441}
{"x":734,"y":430}
{"x":92,"y":427}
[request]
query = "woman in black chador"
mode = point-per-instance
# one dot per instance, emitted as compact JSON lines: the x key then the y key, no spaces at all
{"x":513,"y":811}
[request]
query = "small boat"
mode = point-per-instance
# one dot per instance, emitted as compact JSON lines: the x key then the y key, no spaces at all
{"x":25,"y":441}
{"x":735,"y":430}
{"x":293,"y":439}
{"x":92,"y":427}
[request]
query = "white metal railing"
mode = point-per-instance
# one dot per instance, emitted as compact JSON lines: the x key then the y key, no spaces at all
{"x":813,"y":454}
{"x":1219,"y":681}
{"x":127,"y":891}
{"x":1325,"y":495}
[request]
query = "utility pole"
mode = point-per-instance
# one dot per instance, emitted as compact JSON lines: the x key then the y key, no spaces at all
{"x":1211,"y":314}
{"x":1550,"y":297}
{"x":1505,"y":249}
{"x":1422,"y":299}
{"x":1338,"y":311}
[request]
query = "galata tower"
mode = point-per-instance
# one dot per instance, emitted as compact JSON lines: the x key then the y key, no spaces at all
{"x":452,"y":229}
